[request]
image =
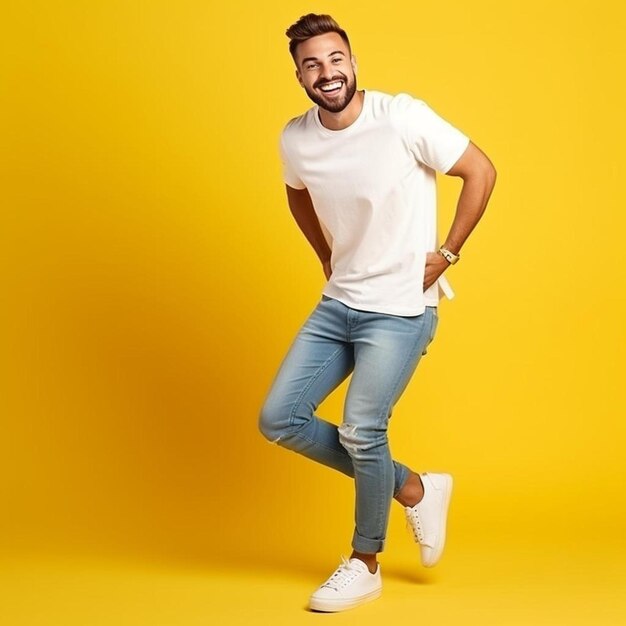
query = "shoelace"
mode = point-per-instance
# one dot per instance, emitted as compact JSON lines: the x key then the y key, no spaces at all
{"x":343,"y":575}
{"x":414,"y":523}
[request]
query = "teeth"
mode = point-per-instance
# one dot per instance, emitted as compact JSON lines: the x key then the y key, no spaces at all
{"x":331,"y":86}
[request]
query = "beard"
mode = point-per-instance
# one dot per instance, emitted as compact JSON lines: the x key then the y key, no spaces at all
{"x":337,"y":103}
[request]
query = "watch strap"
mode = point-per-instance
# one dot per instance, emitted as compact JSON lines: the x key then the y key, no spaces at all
{"x":448,"y":255}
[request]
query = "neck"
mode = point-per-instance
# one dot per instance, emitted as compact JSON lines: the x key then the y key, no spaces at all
{"x":343,"y":119}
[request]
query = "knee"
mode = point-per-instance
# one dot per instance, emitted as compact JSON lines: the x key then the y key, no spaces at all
{"x":271,"y":422}
{"x":350,"y":437}
{"x":356,"y":438}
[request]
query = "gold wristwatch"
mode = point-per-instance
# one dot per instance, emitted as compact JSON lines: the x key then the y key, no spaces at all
{"x":449,"y":256}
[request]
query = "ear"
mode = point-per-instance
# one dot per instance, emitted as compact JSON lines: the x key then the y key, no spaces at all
{"x":353,"y":60}
{"x":299,"y":77}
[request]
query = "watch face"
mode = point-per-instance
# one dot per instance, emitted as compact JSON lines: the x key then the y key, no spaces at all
{"x":449,"y":256}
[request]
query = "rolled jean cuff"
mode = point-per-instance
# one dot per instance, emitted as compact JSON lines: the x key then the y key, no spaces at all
{"x":364,"y":544}
{"x":402,"y":475}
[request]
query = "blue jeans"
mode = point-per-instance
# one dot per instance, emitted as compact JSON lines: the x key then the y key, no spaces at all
{"x":382,"y":352}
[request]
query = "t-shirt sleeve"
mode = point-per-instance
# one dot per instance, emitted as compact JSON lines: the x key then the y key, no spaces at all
{"x":289,"y":175}
{"x":431,"y":138}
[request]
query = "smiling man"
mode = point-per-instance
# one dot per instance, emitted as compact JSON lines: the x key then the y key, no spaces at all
{"x":360,"y":173}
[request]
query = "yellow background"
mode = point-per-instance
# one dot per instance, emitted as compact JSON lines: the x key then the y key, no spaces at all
{"x":153,"y":279}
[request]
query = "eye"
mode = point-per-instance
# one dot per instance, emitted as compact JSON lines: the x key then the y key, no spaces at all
{"x":336,"y":59}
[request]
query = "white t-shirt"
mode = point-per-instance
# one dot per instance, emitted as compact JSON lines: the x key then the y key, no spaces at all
{"x":373,"y":188}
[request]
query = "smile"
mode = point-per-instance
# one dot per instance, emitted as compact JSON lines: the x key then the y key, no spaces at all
{"x":332,"y":87}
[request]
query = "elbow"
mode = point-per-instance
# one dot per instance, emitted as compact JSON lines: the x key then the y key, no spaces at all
{"x":487,"y":173}
{"x":484,"y":175}
{"x":489,"y":181}
{"x":491,"y":175}
{"x":488,"y":170}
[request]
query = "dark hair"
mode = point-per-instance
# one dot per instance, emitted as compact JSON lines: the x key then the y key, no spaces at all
{"x":311,"y":25}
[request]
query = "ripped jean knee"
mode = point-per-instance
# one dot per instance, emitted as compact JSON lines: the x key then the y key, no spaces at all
{"x":358,"y":439}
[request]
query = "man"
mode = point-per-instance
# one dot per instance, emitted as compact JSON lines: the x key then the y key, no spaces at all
{"x":359,"y":169}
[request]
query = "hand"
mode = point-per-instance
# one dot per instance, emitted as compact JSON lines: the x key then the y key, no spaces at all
{"x":436,"y":264}
{"x":327,"y":270}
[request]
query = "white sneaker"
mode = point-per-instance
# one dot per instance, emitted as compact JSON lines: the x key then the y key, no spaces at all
{"x":427,"y":519}
{"x":348,"y":586}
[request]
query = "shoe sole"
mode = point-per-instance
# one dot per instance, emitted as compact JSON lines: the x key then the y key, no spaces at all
{"x":329,"y":605}
{"x":442,"y":529}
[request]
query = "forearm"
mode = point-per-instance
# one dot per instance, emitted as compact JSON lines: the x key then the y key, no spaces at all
{"x":309,"y":225}
{"x":470,"y":207}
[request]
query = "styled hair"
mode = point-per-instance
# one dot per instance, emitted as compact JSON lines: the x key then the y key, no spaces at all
{"x":311,"y":25}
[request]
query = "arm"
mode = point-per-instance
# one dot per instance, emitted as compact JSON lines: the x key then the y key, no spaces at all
{"x":479,"y":179}
{"x":301,"y":207}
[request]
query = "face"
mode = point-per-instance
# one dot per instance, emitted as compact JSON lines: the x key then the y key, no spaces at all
{"x":324,"y":60}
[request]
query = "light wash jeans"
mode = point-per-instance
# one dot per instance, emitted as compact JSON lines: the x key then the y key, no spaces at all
{"x":382,"y":352}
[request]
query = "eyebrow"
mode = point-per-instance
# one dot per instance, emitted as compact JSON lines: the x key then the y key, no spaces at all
{"x":315,"y":58}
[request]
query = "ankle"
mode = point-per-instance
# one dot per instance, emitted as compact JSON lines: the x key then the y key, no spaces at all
{"x":412,"y":491}
{"x":368,"y":559}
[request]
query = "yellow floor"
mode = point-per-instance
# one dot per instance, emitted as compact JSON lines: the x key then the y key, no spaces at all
{"x":489,"y":583}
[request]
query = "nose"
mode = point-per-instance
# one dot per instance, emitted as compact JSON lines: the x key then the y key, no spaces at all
{"x":327,"y":73}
